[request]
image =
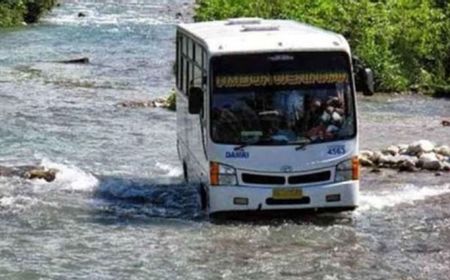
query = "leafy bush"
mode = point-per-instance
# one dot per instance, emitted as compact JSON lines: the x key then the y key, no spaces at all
{"x":405,"y":42}
{"x":171,"y":100}
{"x":14,"y":12}
{"x":11,"y":12}
{"x":35,"y":8}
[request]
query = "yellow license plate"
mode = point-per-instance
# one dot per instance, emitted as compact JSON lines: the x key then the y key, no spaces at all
{"x":287,"y":193}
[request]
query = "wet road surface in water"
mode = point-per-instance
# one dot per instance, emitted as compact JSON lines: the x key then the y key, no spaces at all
{"x":135,"y":219}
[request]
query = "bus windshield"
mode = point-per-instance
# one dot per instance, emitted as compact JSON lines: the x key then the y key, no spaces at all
{"x":282,"y":99}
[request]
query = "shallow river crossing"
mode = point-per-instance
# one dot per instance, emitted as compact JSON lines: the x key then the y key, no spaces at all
{"x":119,"y":210}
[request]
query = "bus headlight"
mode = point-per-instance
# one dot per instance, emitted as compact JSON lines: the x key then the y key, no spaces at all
{"x":347,"y":170}
{"x":221,"y":174}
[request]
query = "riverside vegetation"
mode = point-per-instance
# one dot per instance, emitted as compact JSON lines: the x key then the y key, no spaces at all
{"x":168,"y":102}
{"x":15,"y":12}
{"x":406,"y":42}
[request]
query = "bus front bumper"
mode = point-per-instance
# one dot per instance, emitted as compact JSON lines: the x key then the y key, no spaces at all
{"x":247,"y":198}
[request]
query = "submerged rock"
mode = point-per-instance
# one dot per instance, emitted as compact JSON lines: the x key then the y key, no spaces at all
{"x":82,"y":60}
{"x":376,"y":170}
{"x":29,"y":172}
{"x":157,"y":103}
{"x":136,"y":104}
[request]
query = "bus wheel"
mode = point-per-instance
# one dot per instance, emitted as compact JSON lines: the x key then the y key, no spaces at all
{"x":203,"y":197}
{"x":185,"y":173}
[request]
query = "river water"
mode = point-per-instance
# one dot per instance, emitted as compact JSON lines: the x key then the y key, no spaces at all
{"x":118,"y":208}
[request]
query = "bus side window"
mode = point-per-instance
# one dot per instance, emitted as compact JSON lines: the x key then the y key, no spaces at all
{"x":186,"y":76}
{"x":197,"y":78}
{"x":186,"y":66}
{"x":198,"y":55}
{"x":204,"y":66}
{"x":191,"y":76}
{"x":179,"y":64}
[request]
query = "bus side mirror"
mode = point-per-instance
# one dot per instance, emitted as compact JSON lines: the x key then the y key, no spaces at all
{"x":195,"y":100}
{"x":367,"y":80}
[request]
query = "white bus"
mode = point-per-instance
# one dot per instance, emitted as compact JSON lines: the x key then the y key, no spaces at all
{"x":266,"y":115}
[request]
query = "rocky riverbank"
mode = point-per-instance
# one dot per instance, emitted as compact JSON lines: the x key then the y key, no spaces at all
{"x":168,"y":103}
{"x":419,"y":155}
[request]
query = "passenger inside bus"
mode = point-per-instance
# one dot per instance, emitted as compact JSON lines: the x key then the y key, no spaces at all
{"x":280,"y":117}
{"x":228,"y":127}
{"x":325,"y":117}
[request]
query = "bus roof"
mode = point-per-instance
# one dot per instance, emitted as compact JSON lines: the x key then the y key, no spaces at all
{"x":261,"y":35}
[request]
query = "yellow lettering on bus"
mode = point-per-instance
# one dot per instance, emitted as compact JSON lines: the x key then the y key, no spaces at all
{"x":285,"y":79}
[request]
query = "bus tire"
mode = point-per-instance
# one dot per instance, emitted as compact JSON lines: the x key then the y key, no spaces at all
{"x":185,"y":173}
{"x":203,"y":198}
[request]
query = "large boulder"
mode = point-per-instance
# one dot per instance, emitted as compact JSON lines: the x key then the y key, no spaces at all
{"x":387,"y":160}
{"x":429,"y":161}
{"x":30,"y":172}
{"x":366,"y":153}
{"x":376,"y":156}
{"x":407,"y":163}
{"x":365,"y":161}
{"x":395,"y":161}
{"x":443,"y":150}
{"x":403,"y":148}
{"x":365,"y":158}
{"x":420,"y":147}
{"x":48,"y":175}
{"x":446,"y":166}
{"x":391,"y":150}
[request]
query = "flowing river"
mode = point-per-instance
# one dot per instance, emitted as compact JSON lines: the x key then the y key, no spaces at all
{"x":118,"y":208}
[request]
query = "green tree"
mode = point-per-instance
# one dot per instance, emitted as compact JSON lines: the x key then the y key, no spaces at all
{"x":405,"y":42}
{"x":14,"y":12}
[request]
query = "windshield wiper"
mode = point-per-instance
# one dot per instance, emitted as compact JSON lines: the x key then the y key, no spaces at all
{"x":302,"y":144}
{"x":241,"y":146}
